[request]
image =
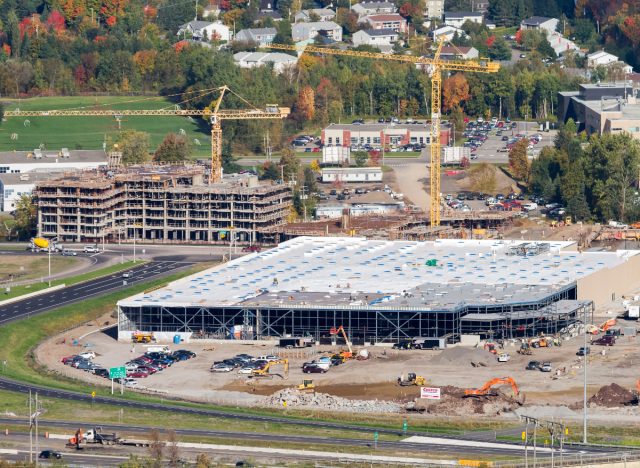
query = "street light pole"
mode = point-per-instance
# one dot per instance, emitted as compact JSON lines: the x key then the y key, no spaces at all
{"x":584,"y":390}
{"x":49,"y":255}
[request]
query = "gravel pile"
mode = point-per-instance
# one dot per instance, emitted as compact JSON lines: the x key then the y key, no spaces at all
{"x":296,"y":399}
{"x":460,"y":356}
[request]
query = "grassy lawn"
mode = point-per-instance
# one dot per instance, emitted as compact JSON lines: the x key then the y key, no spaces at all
{"x":28,"y":267}
{"x":90,"y":132}
{"x":33,"y":287}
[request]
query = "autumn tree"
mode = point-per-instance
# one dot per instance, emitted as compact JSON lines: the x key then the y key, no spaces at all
{"x":483,"y":178}
{"x":305,"y":105}
{"x":519,"y":161}
{"x":174,"y":148}
{"x":455,"y":90}
{"x":25,"y":217}
{"x":134,"y":146}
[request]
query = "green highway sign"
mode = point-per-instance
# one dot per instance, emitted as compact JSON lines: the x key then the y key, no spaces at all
{"x":117,"y":372}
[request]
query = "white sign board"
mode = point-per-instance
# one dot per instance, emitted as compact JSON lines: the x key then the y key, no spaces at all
{"x":430,"y":393}
{"x":454,"y":154}
{"x":336,"y":154}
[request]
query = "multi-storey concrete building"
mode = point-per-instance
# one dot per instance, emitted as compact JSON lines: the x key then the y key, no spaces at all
{"x":159,"y":204}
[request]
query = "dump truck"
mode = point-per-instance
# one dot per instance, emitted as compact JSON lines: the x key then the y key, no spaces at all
{"x":96,"y":436}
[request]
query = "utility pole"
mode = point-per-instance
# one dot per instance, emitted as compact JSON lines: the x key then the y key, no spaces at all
{"x":30,"y":430}
{"x":584,"y":386}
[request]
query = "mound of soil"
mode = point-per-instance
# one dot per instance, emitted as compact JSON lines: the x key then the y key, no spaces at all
{"x":460,"y":356}
{"x":611,"y":396}
{"x":454,"y":403}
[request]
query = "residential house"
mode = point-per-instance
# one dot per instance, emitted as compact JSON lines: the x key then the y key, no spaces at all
{"x":205,"y":30}
{"x":608,"y":61}
{"x":261,"y":36}
{"x":561,"y":45}
{"x":308,"y":31}
{"x":212,"y":9}
{"x":372,"y":8}
{"x":322,"y":14}
{"x":434,"y":9}
{"x":268,"y":10}
{"x":458,"y":18}
{"x":446,"y":32}
{"x":383,"y":39}
{"x":278,"y":60}
{"x":540,"y":23}
{"x":459,"y":53}
{"x":386,"y":21}
{"x":480,"y":6}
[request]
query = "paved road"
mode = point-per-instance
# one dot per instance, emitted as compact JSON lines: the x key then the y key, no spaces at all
{"x":82,"y":291}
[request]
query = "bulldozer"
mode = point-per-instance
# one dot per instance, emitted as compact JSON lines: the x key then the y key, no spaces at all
{"x":307,"y":386}
{"x":412,"y":379}
{"x":525,"y":349}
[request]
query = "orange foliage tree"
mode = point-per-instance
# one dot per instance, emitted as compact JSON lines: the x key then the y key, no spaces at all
{"x":455,"y":90}
{"x":305,"y":104}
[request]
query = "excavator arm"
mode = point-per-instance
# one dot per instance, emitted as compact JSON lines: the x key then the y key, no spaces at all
{"x":486,"y":388}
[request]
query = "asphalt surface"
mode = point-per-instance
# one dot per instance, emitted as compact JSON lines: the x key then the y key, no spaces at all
{"x":92,"y":288}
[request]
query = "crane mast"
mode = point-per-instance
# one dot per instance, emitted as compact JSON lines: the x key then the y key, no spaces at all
{"x":436,"y":65}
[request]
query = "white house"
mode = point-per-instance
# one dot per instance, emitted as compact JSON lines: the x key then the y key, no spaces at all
{"x":560,"y":44}
{"x":376,"y":38}
{"x":371,"y":8}
{"x":261,"y":36}
{"x":434,"y":9}
{"x":446,"y":32}
{"x":386,"y":21}
{"x":205,"y":30}
{"x":458,"y":18}
{"x":352,"y":174}
{"x":547,"y":25}
{"x":279,"y":60}
{"x":212,"y":9}
{"x":308,"y":31}
{"x":323,"y":14}
{"x":600,"y":58}
{"x":459,"y":53}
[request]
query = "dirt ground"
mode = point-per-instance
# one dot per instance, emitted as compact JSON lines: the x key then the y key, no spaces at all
{"x":374,"y":379}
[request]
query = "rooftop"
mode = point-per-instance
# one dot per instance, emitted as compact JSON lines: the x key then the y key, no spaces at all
{"x":462,"y":14}
{"x":380,"y":32}
{"x":49,"y":156}
{"x":385,"y":17}
{"x":352,"y":272}
{"x":26,"y":178}
{"x":536,"y":20}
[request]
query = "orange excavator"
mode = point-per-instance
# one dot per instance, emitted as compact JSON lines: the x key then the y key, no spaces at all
{"x":486,"y":388}
{"x":343,"y":354}
{"x":602,"y":328}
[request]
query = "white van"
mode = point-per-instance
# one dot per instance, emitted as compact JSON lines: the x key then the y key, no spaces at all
{"x":157,"y":349}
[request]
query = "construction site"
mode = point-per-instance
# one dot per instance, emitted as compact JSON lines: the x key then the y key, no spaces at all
{"x":386,"y":291}
{"x":175,"y":204}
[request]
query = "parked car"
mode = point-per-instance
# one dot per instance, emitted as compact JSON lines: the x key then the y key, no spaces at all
{"x":533,"y":365}
{"x":68,"y":360}
{"x":84,"y":365}
{"x":546,"y":367}
{"x":583,"y":351}
{"x":185,"y":352}
{"x":221,"y":368}
{"x":101,"y":372}
{"x":87,"y":355}
{"x":68,"y":253}
{"x":246,"y":370}
{"x":504,"y":357}
{"x":126,"y":274}
{"x":148,"y":369}
{"x":313,"y":369}
{"x":137,"y":374}
{"x":251,"y":248}
{"x":128,"y":382}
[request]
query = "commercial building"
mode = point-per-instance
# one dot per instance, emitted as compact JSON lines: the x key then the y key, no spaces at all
{"x":160,"y":204}
{"x":602,"y":108}
{"x":12,"y":162}
{"x":385,"y":291}
{"x":351,"y":174}
{"x":13,"y":186}
{"x":375,"y":133}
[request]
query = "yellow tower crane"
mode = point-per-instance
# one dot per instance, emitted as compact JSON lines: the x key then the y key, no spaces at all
{"x":435,"y":65}
{"x":215,"y":115}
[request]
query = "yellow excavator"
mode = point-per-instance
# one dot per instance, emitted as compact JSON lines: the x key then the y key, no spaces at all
{"x":264,"y":372}
{"x":307,"y":386}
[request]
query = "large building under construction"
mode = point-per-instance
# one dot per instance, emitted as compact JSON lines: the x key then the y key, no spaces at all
{"x":386,"y":291}
{"x":170,"y":204}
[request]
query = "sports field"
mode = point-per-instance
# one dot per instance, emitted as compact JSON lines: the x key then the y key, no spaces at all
{"x":53,"y":133}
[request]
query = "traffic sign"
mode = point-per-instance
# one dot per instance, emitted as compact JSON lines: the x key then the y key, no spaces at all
{"x":117,"y":372}
{"x":93,"y":394}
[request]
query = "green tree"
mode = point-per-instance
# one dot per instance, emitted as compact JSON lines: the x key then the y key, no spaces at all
{"x":518,"y":160}
{"x":174,"y":148}
{"x":573,"y":191}
{"x":229,"y":163}
{"x":134,"y":146}
{"x":584,"y":30}
{"x":25,"y":217}
{"x":361,"y":158}
{"x":270,"y":171}
{"x":290,"y":165}
{"x":13,"y":29}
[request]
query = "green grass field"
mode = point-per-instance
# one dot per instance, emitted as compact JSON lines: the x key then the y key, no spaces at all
{"x":90,"y":132}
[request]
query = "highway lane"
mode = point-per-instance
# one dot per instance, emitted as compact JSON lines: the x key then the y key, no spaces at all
{"x":79,"y":292}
